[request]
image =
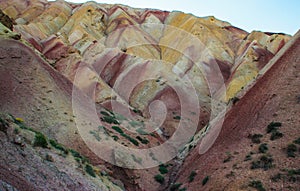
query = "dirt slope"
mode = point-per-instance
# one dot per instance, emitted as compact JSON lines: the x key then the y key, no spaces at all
{"x":274,"y":97}
{"x":28,"y":163}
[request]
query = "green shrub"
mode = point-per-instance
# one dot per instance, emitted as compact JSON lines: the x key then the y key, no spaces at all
{"x":276,"y":178}
{"x":16,"y":131}
{"x":77,"y":159}
{"x":294,"y":172}
{"x":110,"y":120}
{"x":192,"y":176}
{"x":228,"y":158}
{"x":205,"y":180}
{"x":182,"y":189}
{"x":137,"y":111}
{"x":3,"y":122}
{"x":291,"y":176}
{"x":234,"y":100}
{"x":3,"y":125}
{"x":89,"y":169}
{"x":256,"y":138}
{"x":163,"y":169}
{"x":143,"y":141}
{"x":132,"y":140}
{"x":159,"y":178}
{"x":115,"y":137}
{"x":104,"y":113}
{"x":118,"y":129}
{"x":291,"y":149}
{"x":84,"y":160}
{"x":276,"y":135}
{"x":177,"y":117}
{"x":265,"y":162}
{"x":248,"y":157}
{"x":40,"y":140}
{"x":257,"y":184}
{"x":263,"y":148}
{"x":297,"y":141}
{"x":273,"y":126}
{"x":175,"y":186}
{"x":139,"y":138}
{"x":75,"y":154}
{"x":191,"y":147}
{"x":58,"y":146}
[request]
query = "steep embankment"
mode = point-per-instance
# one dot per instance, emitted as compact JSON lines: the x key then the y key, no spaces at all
{"x":229,"y":163}
{"x":41,"y":98}
{"x":31,"y":161}
{"x":34,"y":91}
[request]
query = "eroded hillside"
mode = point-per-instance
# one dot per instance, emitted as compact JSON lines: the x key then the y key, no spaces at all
{"x":123,"y":64}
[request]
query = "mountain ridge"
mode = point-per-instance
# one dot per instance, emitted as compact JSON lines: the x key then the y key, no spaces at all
{"x":113,"y":56}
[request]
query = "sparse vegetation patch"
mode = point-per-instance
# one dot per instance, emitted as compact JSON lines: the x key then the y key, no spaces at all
{"x":118,"y":129}
{"x":255,"y":138}
{"x":58,"y":146}
{"x":192,"y":176}
{"x":142,"y":140}
{"x":177,"y":117}
{"x":265,"y":162}
{"x":163,"y":169}
{"x":290,"y":150}
{"x":40,"y":140}
{"x":257,"y":185}
{"x":89,"y":169}
{"x":159,"y":178}
{"x":263,"y":148}
{"x":290,"y":175}
{"x":132,"y":140}
{"x":297,"y":141}
{"x":248,"y":157}
{"x":175,"y":186}
{"x":273,"y":126}
{"x":110,"y":120}
{"x":273,"y":129}
{"x":276,"y":177}
{"x":276,"y":135}
{"x":205,"y":180}
{"x":228,"y":158}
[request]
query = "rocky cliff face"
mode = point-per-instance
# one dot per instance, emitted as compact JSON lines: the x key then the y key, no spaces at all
{"x":126,"y":62}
